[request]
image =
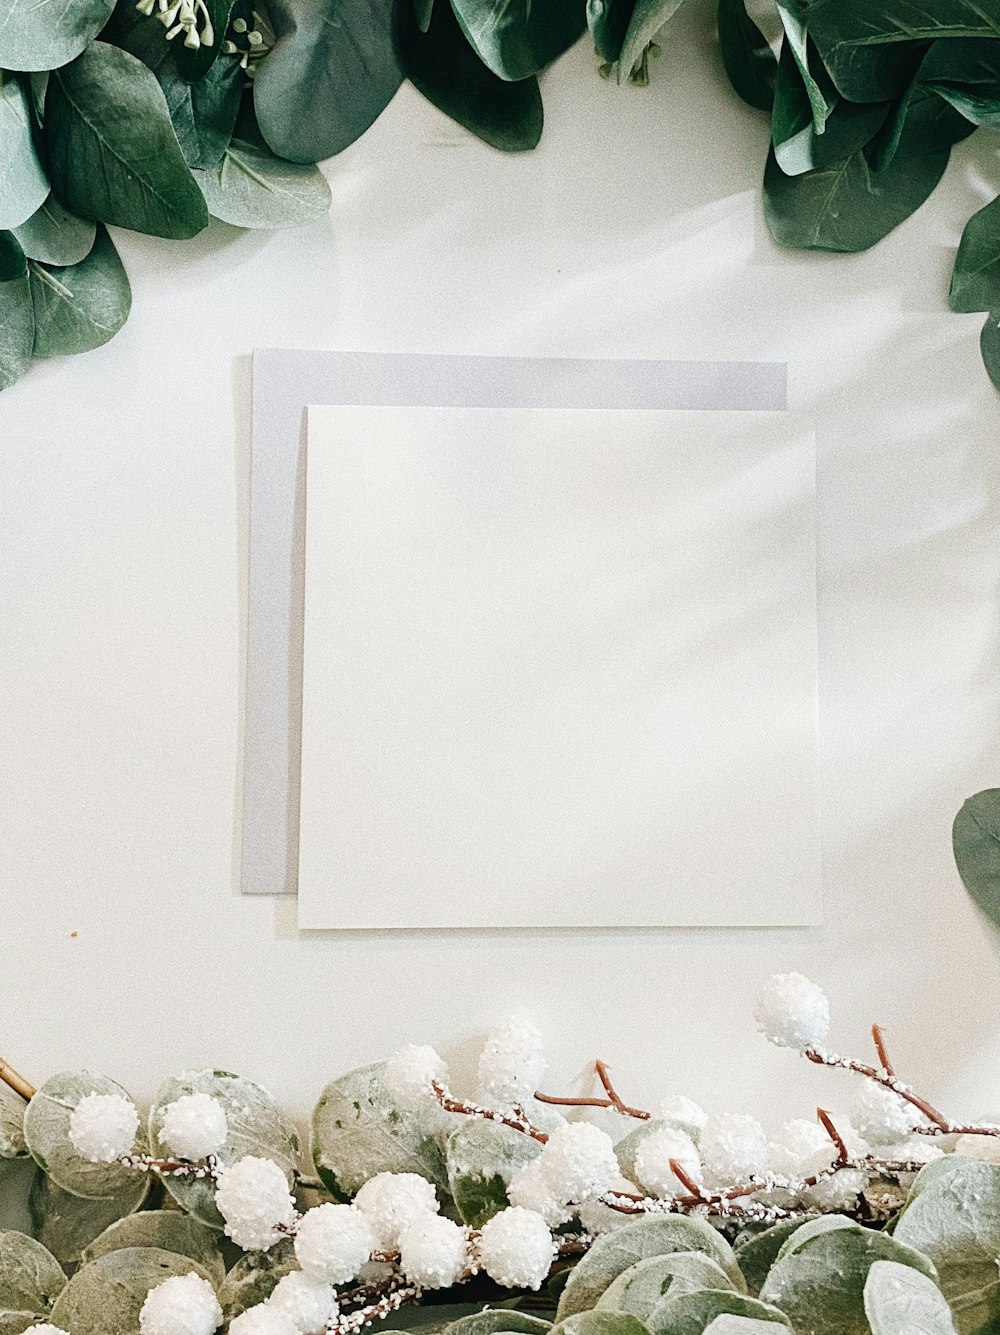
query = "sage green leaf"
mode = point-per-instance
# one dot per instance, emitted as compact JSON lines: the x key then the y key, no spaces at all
{"x":899,"y":1299}
{"x":975,"y":834}
{"x":642,"y":1286}
{"x":82,"y":306}
{"x":358,"y":1131}
{"x":966,"y":72}
{"x":423,"y":11}
{"x":170,"y":1231}
{"x":66,"y":1224}
{"x":53,"y":235}
{"x":847,"y":126}
{"x":254,"y":1277}
{"x":953,"y":1217}
{"x":821,"y":97}
{"x":748,"y":59}
{"x":195,"y":62}
{"x":989,"y":347}
{"x":256,"y":1126}
{"x":31,"y":1278}
{"x":517,"y":38}
{"x":444,"y":67}
{"x":975,"y":286}
{"x":628,"y":1147}
{"x":727,"y":1324}
{"x":608,"y":22}
{"x":23,"y":184}
{"x":252,"y":188}
{"x":42,"y":35}
{"x":691,"y":1313}
{"x":107,"y":1295}
{"x":481,"y":1159}
{"x":756,"y":1256}
{"x":847,"y":206}
{"x":495,"y":1320}
{"x":332,"y":73}
{"x":46,"y":1129}
{"x":819,"y":1282}
{"x":655,"y":1235}
{"x":647,"y":19}
{"x":12,"y":1143}
{"x":922,"y":121}
{"x":15,"y":1323}
{"x":112,"y":148}
{"x":601,"y":1322}
{"x":977,"y":1312}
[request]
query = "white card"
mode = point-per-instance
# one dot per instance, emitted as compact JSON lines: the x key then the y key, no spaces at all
{"x":560,"y":669}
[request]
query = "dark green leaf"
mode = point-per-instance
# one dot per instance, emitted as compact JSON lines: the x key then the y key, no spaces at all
{"x":195,"y":62}
{"x":113,"y":150}
{"x":966,"y":72}
{"x":872,"y":50}
{"x":922,"y":121}
{"x":989,"y":347}
{"x":66,"y":1224}
{"x":444,"y":67}
{"x":847,"y":126}
{"x":53,"y":235}
{"x":749,"y":61}
{"x":422,"y":11}
{"x":821,"y":98}
{"x":647,"y":19}
{"x":23,"y":185}
{"x":976,"y":832}
{"x":41,"y":34}
{"x":847,"y":206}
{"x":975,"y":282}
{"x":482,"y":1157}
{"x":106,"y":1296}
{"x":608,"y":22}
{"x":332,"y":72}
{"x":252,"y":188}
{"x":80,"y":307}
{"x":517,"y":38}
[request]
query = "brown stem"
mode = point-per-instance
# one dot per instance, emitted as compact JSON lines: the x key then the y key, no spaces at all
{"x":944,"y":1127}
{"x":834,"y":1134}
{"x":612,"y":1101}
{"x":146,"y":1163}
{"x":516,"y":1121}
{"x":882,"y":1050}
{"x":16,"y":1082}
{"x":686,"y":1180}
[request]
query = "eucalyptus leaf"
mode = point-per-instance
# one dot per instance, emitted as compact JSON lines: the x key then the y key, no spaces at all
{"x":495,"y":1320}
{"x":847,"y":126}
{"x":821,"y":98}
{"x":628,"y":1147}
{"x":23,"y":184}
{"x":600,"y":1321}
{"x":195,"y":62}
{"x":254,"y":1277}
{"x":82,"y":306}
{"x":332,"y":72}
{"x":423,"y":11}
{"x":976,"y":831}
{"x":989,"y":347}
{"x":978,"y":1311}
{"x":66,"y":1224}
{"x":517,"y":38}
{"x":481,"y":1158}
{"x":975,"y":286}
{"x":966,"y":72}
{"x":168,"y":1230}
{"x":899,"y":1299}
{"x":12,"y":1143}
{"x":953,"y":1217}
{"x":728,"y":1324}
{"x":31,"y":1279}
{"x":647,"y":19}
{"x":112,"y":149}
{"x":691,"y":1313}
{"x":608,"y":22}
{"x":640,"y":1288}
{"x":252,"y":188}
{"x":748,"y":59}
{"x":53,"y":235}
{"x":106,"y":1296}
{"x":15,"y":1323}
{"x":46,"y":1129}
{"x":44,"y":34}
{"x":756,"y":1256}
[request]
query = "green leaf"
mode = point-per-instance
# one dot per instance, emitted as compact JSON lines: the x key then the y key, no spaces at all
{"x":255,"y":1127}
{"x":749,"y":62}
{"x":112,"y":148}
{"x":614,"y":1252}
{"x":608,"y":22}
{"x":15,"y":1323}
{"x":82,"y":306}
{"x":847,"y":126}
{"x":66,"y":1224}
{"x":252,"y":188}
{"x":495,"y":1320}
{"x":481,"y":1158}
{"x":358,"y":1131}
{"x":168,"y":1230}
{"x":107,"y":1295}
{"x":976,"y":831}
{"x":966,"y":72}
{"x":847,"y":206}
{"x":975,"y":286}
{"x":423,"y":11}
{"x":332,"y":73}
{"x":756,"y":1256}
{"x":195,"y":62}
{"x":31,"y":1279}
{"x":628,"y":1147}
{"x":46,"y":1129}
{"x":727,"y":1324}
{"x":647,"y":19}
{"x":922,"y":121}
{"x":53,"y":235}
{"x":254,"y":1277}
{"x":821,"y":99}
{"x":989,"y":347}
{"x":23,"y":185}
{"x":901,"y":1301}
{"x":517,"y":38}
{"x":601,"y":1322}
{"x":12,"y":1144}
{"x":42,"y":35}
{"x":953,"y":1217}
{"x":639,"y":1289}
{"x":692,"y":1313}
{"x":444,"y":67}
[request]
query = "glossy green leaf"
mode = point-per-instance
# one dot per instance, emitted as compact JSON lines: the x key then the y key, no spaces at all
{"x":975,"y":286}
{"x":254,"y":1277}
{"x":847,"y":206}
{"x":691,"y":1313}
{"x":170,"y":1231}
{"x":332,"y":72}
{"x":847,"y":126}
{"x":107,"y":1295}
{"x":252,"y":188}
{"x":821,"y":98}
{"x":53,"y":235}
{"x":966,"y":72}
{"x":608,"y":22}
{"x":921,"y":121}
{"x":82,"y":306}
{"x":748,"y":59}
{"x":23,"y":184}
{"x":112,"y":148}
{"x":953,"y":1217}
{"x":901,"y":1301}
{"x":444,"y":67}
{"x":46,"y":1129}
{"x":517,"y":38}
{"x":44,"y":34}
{"x":31,"y":1278}
{"x":647,"y":19}
{"x":66,"y":1224}
{"x":989,"y":347}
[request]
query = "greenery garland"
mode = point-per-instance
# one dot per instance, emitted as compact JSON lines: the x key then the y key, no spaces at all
{"x":159,"y":115}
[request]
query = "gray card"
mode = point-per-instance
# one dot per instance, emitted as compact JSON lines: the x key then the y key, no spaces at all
{"x":285,"y":383}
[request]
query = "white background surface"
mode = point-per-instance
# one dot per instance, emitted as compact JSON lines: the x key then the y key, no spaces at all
{"x":636,"y":230}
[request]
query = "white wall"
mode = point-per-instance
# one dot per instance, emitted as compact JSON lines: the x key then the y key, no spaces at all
{"x":636,"y":230}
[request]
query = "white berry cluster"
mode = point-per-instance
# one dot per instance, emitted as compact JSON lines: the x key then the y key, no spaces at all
{"x":254,"y":1200}
{"x":792,"y":1012}
{"x":516,"y":1248}
{"x":577,"y":1164}
{"x":194,"y":1126}
{"x":181,"y":1305}
{"x":298,"y":1305}
{"x":512,"y":1063}
{"x":103,"y":1127}
{"x":410,"y":1076}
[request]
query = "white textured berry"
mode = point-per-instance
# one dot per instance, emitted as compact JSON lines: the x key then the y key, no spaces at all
{"x":516,"y":1248}
{"x":802,"y":1149}
{"x":45,"y":1328}
{"x":512,"y":1063}
{"x":652,"y":1162}
{"x":333,"y":1242}
{"x":102,"y":1127}
{"x":733,"y":1149}
{"x":194,"y":1126}
{"x":308,"y":1303}
{"x":882,"y":1117}
{"x":181,"y":1305}
{"x":530,"y":1188}
{"x":683,"y":1113}
{"x":391,"y":1202}
{"x":253,"y":1198}
{"x":578,"y":1162}
{"x":262,"y":1320}
{"x":410,"y":1073}
{"x":792,"y":1012}
{"x":984,"y":1148}
{"x":837,"y":1193}
{"x":597,"y":1218}
{"x":433,"y":1252}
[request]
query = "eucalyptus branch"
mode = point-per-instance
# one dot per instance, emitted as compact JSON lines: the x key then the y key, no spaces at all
{"x":613,"y":1099}
{"x":517,"y":1120}
{"x":207,"y":1170}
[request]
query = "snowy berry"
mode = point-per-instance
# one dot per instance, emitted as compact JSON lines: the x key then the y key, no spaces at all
{"x":578,"y":1162}
{"x":194,"y":1126}
{"x":253,"y":1198}
{"x":792,"y":1012}
{"x":531,"y":1189}
{"x":333,"y":1242}
{"x":262,"y":1320}
{"x":433,"y":1252}
{"x":102,"y":1127}
{"x":181,"y":1305}
{"x":803,"y":1149}
{"x":733,"y":1148}
{"x":836,"y":1193}
{"x":516,"y":1248}
{"x":596,"y":1217}
{"x":45,"y":1328}
{"x":307,"y":1303}
{"x":392,"y":1201}
{"x":881,"y":1116}
{"x":410,"y":1073}
{"x":512,"y":1063}
{"x":683,"y":1113}
{"x":652,"y":1162}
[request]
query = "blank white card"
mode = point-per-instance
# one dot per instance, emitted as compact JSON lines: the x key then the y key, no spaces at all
{"x":559,"y":669}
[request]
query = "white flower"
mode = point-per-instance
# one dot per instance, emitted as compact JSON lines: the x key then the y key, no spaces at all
{"x":102,"y":1127}
{"x":253,"y":1198}
{"x":578,"y":1161}
{"x":433,"y":1252}
{"x":512,"y":1063}
{"x":882,"y":1117}
{"x":733,"y":1149}
{"x":333,"y":1242}
{"x":194,"y":1126}
{"x":652,"y":1162}
{"x":308,"y":1303}
{"x":410,"y":1073}
{"x":683,"y":1113}
{"x":262,"y":1320}
{"x":516,"y":1248}
{"x":531,"y":1189}
{"x":391,"y":1202}
{"x":181,"y":1305}
{"x":984,"y":1148}
{"x":792,"y":1012}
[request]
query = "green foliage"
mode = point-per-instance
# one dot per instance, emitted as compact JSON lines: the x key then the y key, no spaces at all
{"x":976,"y":832}
{"x":496,"y":1321}
{"x":953,"y":1217}
{"x":749,"y":61}
{"x":108,"y":1294}
{"x":46,"y":1130}
{"x":481,"y":1159}
{"x":66,"y":1224}
{"x":42,"y":37}
{"x":81,"y":306}
{"x":758,"y":1253}
{"x":899,"y":1298}
{"x":601,"y":1322}
{"x":31,"y":1278}
{"x":53,"y":235}
{"x":253,"y":1278}
{"x":23,"y":184}
{"x":168,"y":1230}
{"x":691,"y":1313}
{"x":12,"y":1144}
{"x":641,"y":1288}
{"x":251,"y":187}
{"x":517,"y":39}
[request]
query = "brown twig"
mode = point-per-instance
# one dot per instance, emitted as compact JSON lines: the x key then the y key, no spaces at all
{"x":834,"y":1134}
{"x":882,"y":1050}
{"x":517,"y":1121}
{"x":16,"y":1082}
{"x":941,"y":1124}
{"x":206,"y":1170}
{"x":612,"y":1101}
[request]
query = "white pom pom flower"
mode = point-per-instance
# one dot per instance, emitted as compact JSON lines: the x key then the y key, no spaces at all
{"x":410,"y":1073}
{"x":433,"y":1252}
{"x":253,"y":1198}
{"x":578,"y":1162}
{"x":652,"y":1162}
{"x":512,"y":1063}
{"x":530,"y":1188}
{"x":391,"y":1202}
{"x":516,"y":1248}
{"x":181,"y":1305}
{"x":262,"y":1320}
{"x":102,"y":1127}
{"x":194,"y":1126}
{"x":333,"y":1242}
{"x":881,"y":1116}
{"x":684,"y":1114}
{"x":307,"y":1303}
{"x":792,"y":1012}
{"x":733,"y":1149}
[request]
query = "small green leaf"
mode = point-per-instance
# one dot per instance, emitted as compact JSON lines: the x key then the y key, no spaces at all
{"x":640,"y":1288}
{"x":107,"y":1295}
{"x":727,"y":1324}
{"x":53,"y":235}
{"x":821,"y":97}
{"x":922,"y":121}
{"x":647,"y":19}
{"x":953,"y":1217}
{"x":495,"y":1320}
{"x":518,"y":38}
{"x":901,"y":1301}
{"x":31,"y":1279}
{"x":847,"y":126}
{"x":748,"y":59}
{"x":608,"y":22}
{"x":15,"y":1323}
{"x":168,"y":1230}
{"x":252,"y":188}
{"x":46,"y":1129}
{"x":254,"y":1277}
{"x":966,"y":71}
{"x":423,"y":11}
{"x":23,"y":184}
{"x":482,"y":1157}
{"x":989,"y":347}
{"x":43,"y":36}
{"x":12,"y":1143}
{"x":756,"y":1256}
{"x":691,"y":1313}
{"x":82,"y":306}
{"x":975,"y":286}
{"x":66,"y":1224}
{"x":601,"y":1322}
